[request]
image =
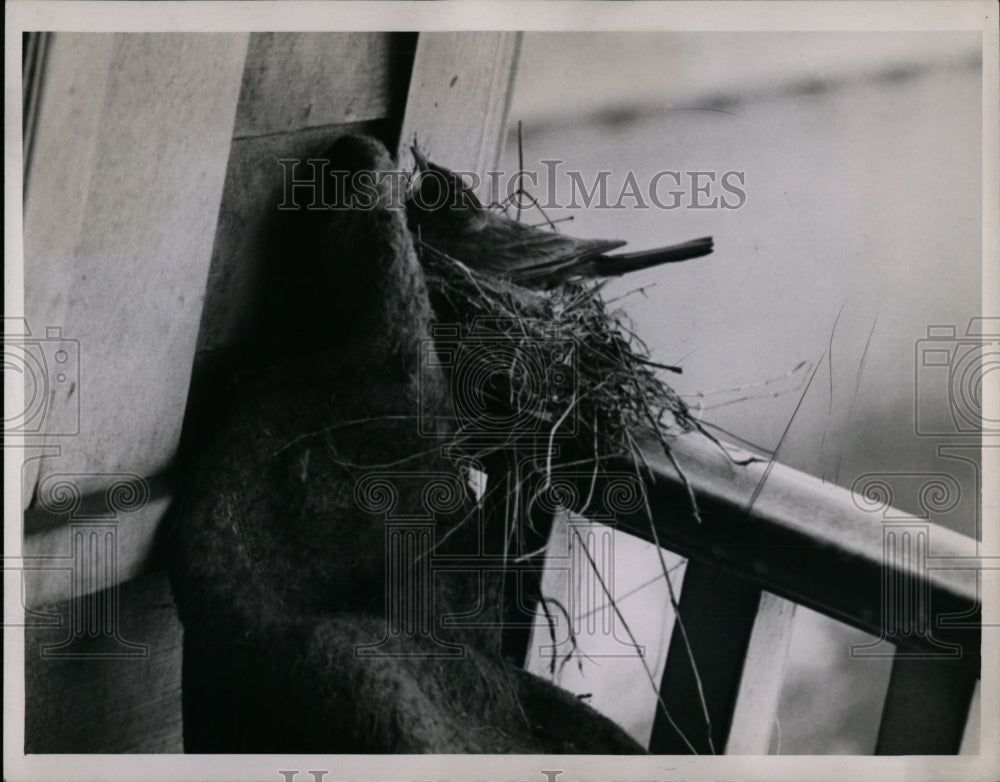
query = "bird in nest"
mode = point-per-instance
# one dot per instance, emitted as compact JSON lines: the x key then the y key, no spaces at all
{"x":446,"y":217}
{"x":505,"y":288}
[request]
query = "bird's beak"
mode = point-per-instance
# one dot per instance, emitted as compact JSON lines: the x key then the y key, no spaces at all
{"x":421,"y":159}
{"x":422,"y":164}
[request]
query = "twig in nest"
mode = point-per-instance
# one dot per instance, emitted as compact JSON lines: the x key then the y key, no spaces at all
{"x":551,"y":621}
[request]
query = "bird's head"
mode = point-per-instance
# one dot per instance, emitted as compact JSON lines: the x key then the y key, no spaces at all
{"x":439,"y":199}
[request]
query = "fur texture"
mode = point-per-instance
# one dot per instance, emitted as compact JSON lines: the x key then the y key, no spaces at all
{"x":279,"y":572}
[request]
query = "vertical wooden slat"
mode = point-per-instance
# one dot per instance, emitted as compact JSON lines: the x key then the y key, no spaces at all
{"x":717,"y":611}
{"x":459,"y":97}
{"x":763,"y":674}
{"x":129,"y":149}
{"x":122,"y":270}
{"x":926,"y":707}
{"x":457,"y":105}
{"x":297,"y":81}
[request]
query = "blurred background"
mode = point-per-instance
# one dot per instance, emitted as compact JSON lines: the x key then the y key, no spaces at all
{"x":860,"y":156}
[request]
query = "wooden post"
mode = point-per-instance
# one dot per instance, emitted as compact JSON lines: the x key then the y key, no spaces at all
{"x":457,"y":105}
{"x":705,"y":661}
{"x":926,"y":707}
{"x":763,"y":674}
{"x":459,"y":97}
{"x":129,"y":150}
{"x":129,"y":158}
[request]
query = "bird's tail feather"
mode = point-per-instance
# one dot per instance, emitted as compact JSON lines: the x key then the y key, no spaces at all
{"x":630,"y":262}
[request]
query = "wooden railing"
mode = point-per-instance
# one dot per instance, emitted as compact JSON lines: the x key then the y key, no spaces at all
{"x":768,"y":530}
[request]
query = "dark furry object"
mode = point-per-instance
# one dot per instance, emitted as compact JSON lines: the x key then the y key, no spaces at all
{"x":278,"y":555}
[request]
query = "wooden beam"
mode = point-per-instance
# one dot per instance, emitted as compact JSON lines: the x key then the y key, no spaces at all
{"x":459,"y":97}
{"x":303,"y":81}
{"x":127,"y":173}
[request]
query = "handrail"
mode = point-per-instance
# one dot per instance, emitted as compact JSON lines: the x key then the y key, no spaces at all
{"x":812,"y":543}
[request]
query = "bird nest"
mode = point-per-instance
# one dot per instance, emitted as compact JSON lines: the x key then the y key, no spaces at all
{"x":557,"y":375}
{"x":548,"y":382}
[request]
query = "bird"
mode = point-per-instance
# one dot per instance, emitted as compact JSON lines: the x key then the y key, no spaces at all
{"x":446,"y":216}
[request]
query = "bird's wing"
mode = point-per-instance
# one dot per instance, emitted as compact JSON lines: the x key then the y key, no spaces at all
{"x":517,"y":250}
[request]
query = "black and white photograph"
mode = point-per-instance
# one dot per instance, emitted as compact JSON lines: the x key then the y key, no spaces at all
{"x":533,"y":391}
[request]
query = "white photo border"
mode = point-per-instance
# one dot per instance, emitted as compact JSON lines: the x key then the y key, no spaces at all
{"x":932,"y":15}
